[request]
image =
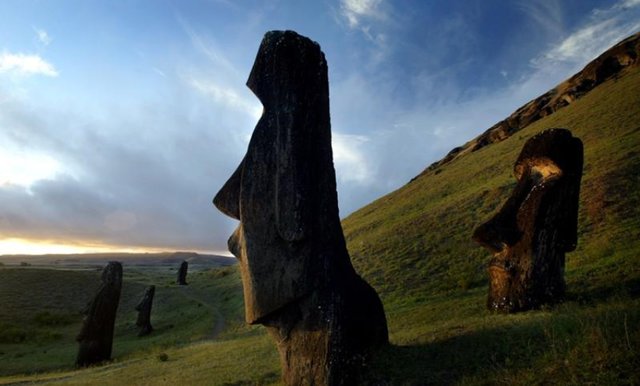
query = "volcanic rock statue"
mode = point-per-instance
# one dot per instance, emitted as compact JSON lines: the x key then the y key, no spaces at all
{"x":536,"y":226}
{"x":182,"y":273}
{"x":144,"y":311}
{"x":297,"y":276}
{"x":96,"y":335}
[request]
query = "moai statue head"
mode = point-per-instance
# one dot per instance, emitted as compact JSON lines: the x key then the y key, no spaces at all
{"x":536,"y":226}
{"x":96,"y":336}
{"x":290,"y":239}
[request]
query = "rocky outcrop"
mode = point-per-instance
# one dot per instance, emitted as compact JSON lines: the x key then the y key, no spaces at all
{"x":96,"y":336}
{"x":606,"y":66}
{"x":536,"y":226}
{"x":144,"y":312}
{"x":182,"y":273}
{"x":297,"y":275}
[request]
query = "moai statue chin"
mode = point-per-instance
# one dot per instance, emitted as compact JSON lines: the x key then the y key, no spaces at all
{"x":297,"y":276}
{"x":96,"y":336}
{"x":536,"y":226}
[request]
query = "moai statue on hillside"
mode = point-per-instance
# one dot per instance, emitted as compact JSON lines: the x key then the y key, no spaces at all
{"x":536,"y":226}
{"x":182,"y":273}
{"x":144,"y":311}
{"x":96,"y":336}
{"x":296,"y":272}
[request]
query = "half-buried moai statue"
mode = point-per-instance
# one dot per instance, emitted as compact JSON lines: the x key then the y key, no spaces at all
{"x":144,"y":311}
{"x":182,"y":273}
{"x":296,"y":272}
{"x":536,"y":226}
{"x":96,"y":335}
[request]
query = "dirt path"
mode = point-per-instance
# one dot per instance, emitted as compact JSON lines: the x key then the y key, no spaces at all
{"x":219,"y":320}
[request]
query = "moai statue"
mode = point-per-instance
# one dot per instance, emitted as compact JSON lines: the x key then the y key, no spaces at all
{"x":96,"y":335}
{"x":182,"y":273}
{"x":536,"y":226}
{"x":144,"y":311}
{"x":296,"y":272}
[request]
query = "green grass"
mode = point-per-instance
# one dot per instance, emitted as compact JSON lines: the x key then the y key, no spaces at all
{"x":422,"y":232}
{"x":414,"y":247}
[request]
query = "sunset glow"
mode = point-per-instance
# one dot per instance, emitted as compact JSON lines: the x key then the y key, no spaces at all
{"x":36,"y":247}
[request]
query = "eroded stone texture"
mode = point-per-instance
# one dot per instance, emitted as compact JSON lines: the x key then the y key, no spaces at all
{"x":96,"y":336}
{"x":536,"y":226}
{"x":182,"y":273}
{"x":144,"y":311}
{"x":297,"y":275}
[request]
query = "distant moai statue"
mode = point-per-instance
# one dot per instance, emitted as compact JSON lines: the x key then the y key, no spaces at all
{"x":536,"y":226}
{"x":182,"y":273}
{"x":296,"y":272}
{"x":96,"y":335}
{"x":144,"y":311}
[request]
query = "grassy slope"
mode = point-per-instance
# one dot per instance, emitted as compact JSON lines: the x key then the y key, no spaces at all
{"x":238,"y":355}
{"x":413,"y":245}
{"x":421,"y":233}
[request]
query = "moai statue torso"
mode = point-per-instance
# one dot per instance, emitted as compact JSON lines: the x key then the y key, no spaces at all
{"x":96,"y":336}
{"x":536,"y":226}
{"x":297,"y":276}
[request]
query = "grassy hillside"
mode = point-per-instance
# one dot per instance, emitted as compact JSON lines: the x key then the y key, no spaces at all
{"x":416,"y":241}
{"x":414,"y":246}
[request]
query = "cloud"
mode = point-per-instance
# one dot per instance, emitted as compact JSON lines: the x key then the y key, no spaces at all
{"x":43,"y":36}
{"x":159,"y":72}
{"x":349,"y":159}
{"x":605,"y":28}
{"x":356,"y":10}
{"x":226,"y":96}
{"x":545,"y":13}
{"x":25,"y":65}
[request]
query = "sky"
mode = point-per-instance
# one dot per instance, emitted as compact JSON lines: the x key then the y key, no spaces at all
{"x":120,"y":120}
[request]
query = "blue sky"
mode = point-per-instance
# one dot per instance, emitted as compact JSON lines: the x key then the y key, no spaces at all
{"x":119,"y":120}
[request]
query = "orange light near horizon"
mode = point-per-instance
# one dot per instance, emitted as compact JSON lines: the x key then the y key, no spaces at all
{"x":17,"y":246}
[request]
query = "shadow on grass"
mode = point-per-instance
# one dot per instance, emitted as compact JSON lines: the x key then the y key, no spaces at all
{"x":574,"y":342}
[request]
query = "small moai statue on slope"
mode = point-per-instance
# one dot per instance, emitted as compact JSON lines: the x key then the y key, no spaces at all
{"x":182,"y":273}
{"x":144,"y":311}
{"x":96,"y":335}
{"x":536,"y":226}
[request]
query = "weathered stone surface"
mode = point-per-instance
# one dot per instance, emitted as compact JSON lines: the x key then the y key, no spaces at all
{"x":182,"y":273}
{"x":297,"y":276}
{"x":96,"y":335}
{"x":536,"y":226}
{"x":144,"y":311}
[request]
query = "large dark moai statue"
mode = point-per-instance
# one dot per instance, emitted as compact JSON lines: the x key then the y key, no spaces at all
{"x":297,"y":275}
{"x":536,"y":226}
{"x":182,"y":273}
{"x":96,"y":335}
{"x":144,"y":311}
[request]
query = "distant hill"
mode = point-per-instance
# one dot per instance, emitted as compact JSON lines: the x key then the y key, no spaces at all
{"x":416,"y":241}
{"x":129,"y":258}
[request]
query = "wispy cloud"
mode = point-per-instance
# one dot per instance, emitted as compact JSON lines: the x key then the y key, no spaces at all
{"x":357,"y":10}
{"x":43,"y":37}
{"x":159,"y":72}
{"x":545,"y":13}
{"x":351,"y":164}
{"x":226,"y":96}
{"x":605,"y":28}
{"x":24,"y":65}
